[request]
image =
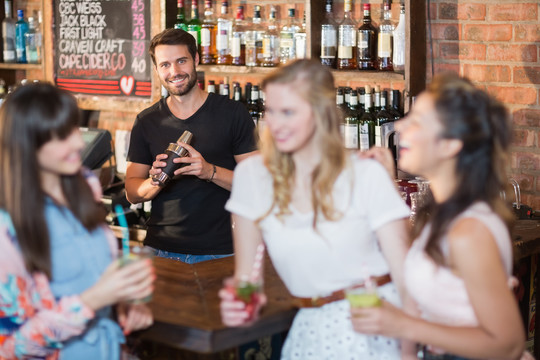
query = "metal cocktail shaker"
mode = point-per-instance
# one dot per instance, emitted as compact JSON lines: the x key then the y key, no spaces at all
{"x":173,"y":151}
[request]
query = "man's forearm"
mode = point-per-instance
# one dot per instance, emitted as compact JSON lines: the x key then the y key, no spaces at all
{"x":222,"y":177}
{"x":139,"y":190}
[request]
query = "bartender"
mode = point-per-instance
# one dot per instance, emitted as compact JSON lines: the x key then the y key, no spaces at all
{"x":188,"y":220}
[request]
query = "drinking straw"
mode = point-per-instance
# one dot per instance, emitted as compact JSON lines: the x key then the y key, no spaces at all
{"x":125,"y":231}
{"x":257,"y":263}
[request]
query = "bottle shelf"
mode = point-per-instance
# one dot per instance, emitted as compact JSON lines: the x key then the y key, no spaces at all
{"x":235,"y":70}
{"x":17,"y":66}
{"x":339,"y":75}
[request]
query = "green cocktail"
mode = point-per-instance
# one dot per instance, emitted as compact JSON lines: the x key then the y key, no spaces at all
{"x":363,"y":299}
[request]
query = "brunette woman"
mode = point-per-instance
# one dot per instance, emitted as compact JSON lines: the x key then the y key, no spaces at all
{"x":58,"y":274}
{"x":457,"y":137}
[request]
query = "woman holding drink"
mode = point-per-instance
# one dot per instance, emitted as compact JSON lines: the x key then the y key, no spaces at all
{"x":58,"y":277}
{"x":457,"y":270}
{"x":328,"y":219}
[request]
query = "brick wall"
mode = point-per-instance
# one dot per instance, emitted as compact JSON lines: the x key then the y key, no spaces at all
{"x":496,"y":43}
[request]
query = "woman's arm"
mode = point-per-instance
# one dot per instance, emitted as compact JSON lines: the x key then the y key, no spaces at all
{"x":36,"y":331}
{"x":475,"y":257}
{"x":247,"y":238}
{"x":394,"y":240}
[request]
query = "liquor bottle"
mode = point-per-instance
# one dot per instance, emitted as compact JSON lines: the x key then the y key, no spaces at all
{"x":270,"y":50}
{"x":181,"y":22}
{"x":385,"y":40}
{"x":21,"y":28}
{"x":340,"y":103}
{"x":225,"y":91}
{"x":398,"y":55}
{"x":367,"y":123}
{"x":8,"y":34}
{"x":211,"y":88}
{"x":247,"y":91}
{"x":254,"y":39}
{"x":381,"y":117}
{"x":367,"y":42}
{"x":394,"y":107}
{"x":361,"y":99}
{"x":32,"y":40}
{"x":377,"y":99}
{"x":346,"y":57}
{"x":350,"y":124}
{"x":237,"y":92}
{"x":329,"y":37}
{"x":194,"y":24}
{"x":286,"y":38}
{"x":347,"y":95}
{"x":253,"y":105}
{"x":224,"y":32}
{"x":300,"y":41}
{"x":208,"y":35}
{"x":238,"y":43}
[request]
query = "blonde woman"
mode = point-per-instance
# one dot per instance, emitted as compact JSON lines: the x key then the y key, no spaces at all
{"x":328,"y":219}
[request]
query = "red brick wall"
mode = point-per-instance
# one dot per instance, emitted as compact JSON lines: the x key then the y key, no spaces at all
{"x":496,"y":43}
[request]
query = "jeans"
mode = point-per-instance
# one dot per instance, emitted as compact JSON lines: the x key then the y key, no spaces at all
{"x":188,"y":258}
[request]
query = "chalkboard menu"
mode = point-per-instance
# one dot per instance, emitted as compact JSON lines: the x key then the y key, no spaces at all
{"x":101,"y":47}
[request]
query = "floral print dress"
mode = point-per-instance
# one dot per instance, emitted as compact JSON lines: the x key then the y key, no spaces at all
{"x":32,"y":323}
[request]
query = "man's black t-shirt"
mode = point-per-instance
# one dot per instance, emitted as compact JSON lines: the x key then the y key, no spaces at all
{"x":188,"y":215}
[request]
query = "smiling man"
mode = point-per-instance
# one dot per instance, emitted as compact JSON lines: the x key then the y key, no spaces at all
{"x":188,"y":221}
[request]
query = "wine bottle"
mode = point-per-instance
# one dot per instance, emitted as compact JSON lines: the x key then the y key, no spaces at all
{"x":286,"y":38}
{"x":346,"y":57}
{"x":367,"y":42}
{"x":385,"y":40}
{"x":350,"y":123}
{"x":208,"y":35}
{"x":181,"y":22}
{"x":8,"y":34}
{"x":254,"y":39}
{"x":271,"y":41}
{"x":238,"y":45}
{"x":194,"y":24}
{"x":382,"y":117}
{"x":21,"y":28}
{"x":329,"y":37}
{"x":367,"y":123}
{"x":398,"y":55}
{"x":224,"y":32}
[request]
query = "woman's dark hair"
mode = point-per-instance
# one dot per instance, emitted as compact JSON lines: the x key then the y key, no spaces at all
{"x":173,"y":37}
{"x":481,"y":123}
{"x":30,"y":117}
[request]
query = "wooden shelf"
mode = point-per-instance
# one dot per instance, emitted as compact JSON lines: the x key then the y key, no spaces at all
{"x":17,"y":66}
{"x":235,"y":70}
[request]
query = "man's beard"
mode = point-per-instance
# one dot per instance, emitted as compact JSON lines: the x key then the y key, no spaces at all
{"x":173,"y":90}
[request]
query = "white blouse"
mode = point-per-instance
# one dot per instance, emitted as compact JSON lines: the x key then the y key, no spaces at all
{"x":338,"y":253}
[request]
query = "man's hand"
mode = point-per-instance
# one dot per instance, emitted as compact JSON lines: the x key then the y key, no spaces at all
{"x":196,"y":165}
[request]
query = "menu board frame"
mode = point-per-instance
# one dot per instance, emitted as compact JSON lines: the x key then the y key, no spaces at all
{"x":119,"y":102}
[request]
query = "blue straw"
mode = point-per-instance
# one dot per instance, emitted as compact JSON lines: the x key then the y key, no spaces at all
{"x":125,"y":231}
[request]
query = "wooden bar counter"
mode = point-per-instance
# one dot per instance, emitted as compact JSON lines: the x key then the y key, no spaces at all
{"x":186,"y":307}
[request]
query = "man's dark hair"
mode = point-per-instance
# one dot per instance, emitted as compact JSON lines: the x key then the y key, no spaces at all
{"x":173,"y":37}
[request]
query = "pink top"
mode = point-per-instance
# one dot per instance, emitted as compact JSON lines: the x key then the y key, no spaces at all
{"x":440,"y":294}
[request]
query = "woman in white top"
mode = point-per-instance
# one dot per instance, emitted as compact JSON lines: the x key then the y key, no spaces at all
{"x":458,"y":268}
{"x":328,"y":219}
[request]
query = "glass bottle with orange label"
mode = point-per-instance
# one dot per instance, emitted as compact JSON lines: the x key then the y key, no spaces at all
{"x":208,"y":35}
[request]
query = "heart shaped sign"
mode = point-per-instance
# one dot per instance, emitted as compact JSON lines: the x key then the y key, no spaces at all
{"x":126,"y":84}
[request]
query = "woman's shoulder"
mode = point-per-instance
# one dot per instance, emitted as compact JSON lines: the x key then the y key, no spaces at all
{"x":253,"y":163}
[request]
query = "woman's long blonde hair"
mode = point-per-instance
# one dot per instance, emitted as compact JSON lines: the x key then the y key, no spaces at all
{"x":315,"y":84}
